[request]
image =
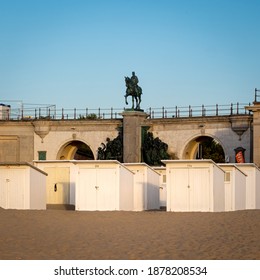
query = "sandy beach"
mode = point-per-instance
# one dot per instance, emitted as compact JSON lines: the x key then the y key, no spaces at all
{"x":62,"y":234}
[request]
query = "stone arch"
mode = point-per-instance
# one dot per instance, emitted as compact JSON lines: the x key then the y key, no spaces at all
{"x":192,"y":146}
{"x":75,"y":149}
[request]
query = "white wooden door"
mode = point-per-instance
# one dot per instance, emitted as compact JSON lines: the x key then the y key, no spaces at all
{"x":13,"y":191}
{"x":106,"y":189}
{"x":58,"y":185}
{"x":87,"y":190}
{"x":179,"y":180}
{"x":190,"y":189}
{"x":199,"y":189}
{"x":3,"y":188}
{"x":97,"y":189}
{"x":16,"y":189}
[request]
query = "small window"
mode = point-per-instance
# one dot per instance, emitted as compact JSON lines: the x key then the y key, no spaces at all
{"x":42,"y":155}
{"x":227,"y":176}
{"x":164,"y":178}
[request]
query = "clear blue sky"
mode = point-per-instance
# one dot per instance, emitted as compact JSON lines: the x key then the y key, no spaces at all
{"x":75,"y":53}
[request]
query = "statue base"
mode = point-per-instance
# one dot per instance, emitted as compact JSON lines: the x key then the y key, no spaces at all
{"x":133,"y":110}
{"x":133,"y":121}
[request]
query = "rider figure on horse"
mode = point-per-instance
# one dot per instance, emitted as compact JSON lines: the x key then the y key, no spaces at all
{"x":134,"y":90}
{"x":134,"y":80}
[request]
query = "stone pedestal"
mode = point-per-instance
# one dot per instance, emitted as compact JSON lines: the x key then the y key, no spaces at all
{"x":256,"y":131}
{"x":132,"y":142}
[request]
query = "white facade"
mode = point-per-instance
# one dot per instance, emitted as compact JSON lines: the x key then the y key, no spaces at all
{"x":146,"y":186}
{"x":22,"y":186}
{"x":252,"y":184}
{"x":235,"y":187}
{"x":104,"y":186}
{"x":163,"y":189}
{"x":194,"y":185}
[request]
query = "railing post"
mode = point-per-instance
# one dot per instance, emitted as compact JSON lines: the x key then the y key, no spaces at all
{"x":163,"y":112}
{"x":111,"y":113}
{"x":237,"y":108}
{"x":176,"y":112}
{"x":99,"y":113}
{"x":216,"y":109}
{"x":86,"y":112}
{"x":249,"y":104}
{"x":190,"y":111}
{"x":75,"y":113}
{"x":231,"y":109}
{"x":62,"y":114}
{"x":203,"y":111}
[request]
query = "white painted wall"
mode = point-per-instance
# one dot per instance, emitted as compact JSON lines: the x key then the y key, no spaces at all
{"x":163,"y":190}
{"x":252,"y":184}
{"x":146,"y":186}
{"x":235,"y":187}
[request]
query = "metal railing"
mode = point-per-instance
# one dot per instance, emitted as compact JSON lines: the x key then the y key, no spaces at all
{"x":52,"y":113}
{"x":199,"y":111}
{"x":257,"y":94}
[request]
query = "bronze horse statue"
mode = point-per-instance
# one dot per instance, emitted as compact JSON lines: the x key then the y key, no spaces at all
{"x":135,"y":91}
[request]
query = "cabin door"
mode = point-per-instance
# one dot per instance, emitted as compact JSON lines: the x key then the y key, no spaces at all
{"x":58,"y":185}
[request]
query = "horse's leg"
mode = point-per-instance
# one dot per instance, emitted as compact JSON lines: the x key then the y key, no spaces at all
{"x":137,"y":103}
{"x":126,"y":99}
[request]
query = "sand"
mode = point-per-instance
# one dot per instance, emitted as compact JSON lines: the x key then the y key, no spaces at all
{"x":62,"y":234}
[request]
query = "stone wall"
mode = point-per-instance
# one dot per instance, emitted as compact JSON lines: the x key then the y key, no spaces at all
{"x":22,"y":140}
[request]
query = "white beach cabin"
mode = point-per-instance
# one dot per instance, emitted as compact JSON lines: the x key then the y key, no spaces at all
{"x":146,"y":186}
{"x":163,"y":189}
{"x":104,"y":185}
{"x":235,"y":187}
{"x":252,"y":184}
{"x":22,"y":186}
{"x":88,"y":184}
{"x":61,"y":180}
{"x":194,"y":185}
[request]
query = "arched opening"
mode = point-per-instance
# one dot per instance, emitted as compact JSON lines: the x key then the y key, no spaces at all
{"x":75,"y":150}
{"x":205,"y":147}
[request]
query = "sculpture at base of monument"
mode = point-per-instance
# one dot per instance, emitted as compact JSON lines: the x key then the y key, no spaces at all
{"x":113,"y":149}
{"x":134,"y":90}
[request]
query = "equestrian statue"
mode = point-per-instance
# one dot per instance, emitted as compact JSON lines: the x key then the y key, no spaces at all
{"x":134,"y":90}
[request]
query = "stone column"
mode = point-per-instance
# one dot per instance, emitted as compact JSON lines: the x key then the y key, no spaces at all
{"x":132,"y":142}
{"x":256,"y":131}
